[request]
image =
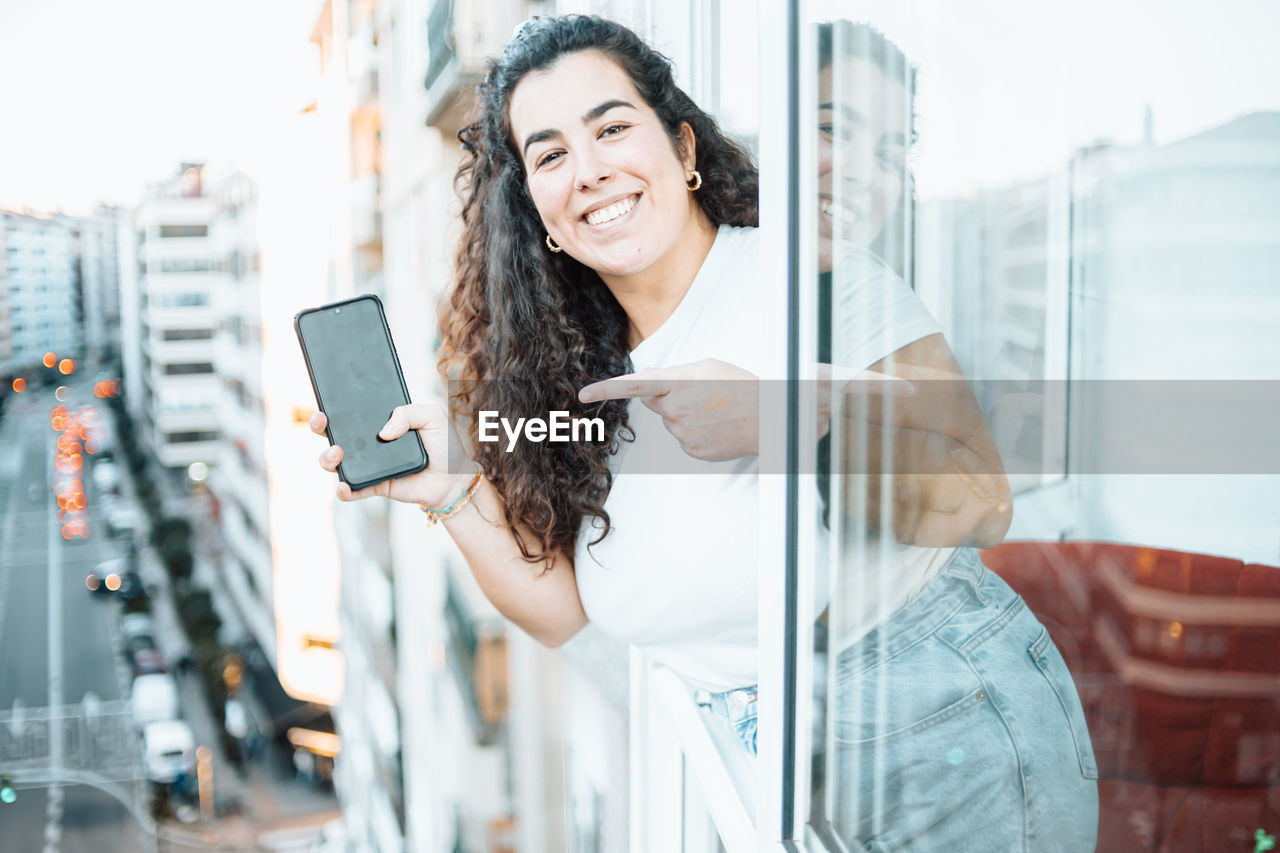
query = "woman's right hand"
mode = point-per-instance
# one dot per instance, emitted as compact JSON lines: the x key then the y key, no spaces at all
{"x":435,"y":486}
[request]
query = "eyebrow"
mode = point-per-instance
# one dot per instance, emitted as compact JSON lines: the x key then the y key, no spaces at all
{"x":587,"y":117}
{"x":856,"y":118}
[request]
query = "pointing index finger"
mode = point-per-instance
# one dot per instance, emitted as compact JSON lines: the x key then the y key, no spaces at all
{"x":624,"y":387}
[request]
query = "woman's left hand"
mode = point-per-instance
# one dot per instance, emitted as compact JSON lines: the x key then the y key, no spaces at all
{"x":712,"y":408}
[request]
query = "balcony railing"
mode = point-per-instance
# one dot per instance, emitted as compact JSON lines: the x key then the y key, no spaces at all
{"x":478,"y":659}
{"x":460,"y":37}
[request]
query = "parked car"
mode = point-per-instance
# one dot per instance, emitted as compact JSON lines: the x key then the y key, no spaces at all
{"x":136,"y":643}
{"x":106,"y":577}
{"x":146,"y":662}
{"x":106,"y":476}
{"x":136,"y":624}
{"x":155,"y":698}
{"x":136,"y":635}
{"x":169,"y":751}
{"x":123,"y":520}
{"x":131,"y":587}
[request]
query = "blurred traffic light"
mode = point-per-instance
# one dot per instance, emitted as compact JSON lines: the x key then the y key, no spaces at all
{"x":7,"y":793}
{"x":19,"y":385}
{"x":66,"y":366}
{"x":50,"y":359}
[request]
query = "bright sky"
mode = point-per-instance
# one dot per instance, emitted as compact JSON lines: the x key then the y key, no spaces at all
{"x":1009,"y":89}
{"x":101,"y":97}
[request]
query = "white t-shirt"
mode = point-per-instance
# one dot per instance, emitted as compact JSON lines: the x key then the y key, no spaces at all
{"x":678,"y":572}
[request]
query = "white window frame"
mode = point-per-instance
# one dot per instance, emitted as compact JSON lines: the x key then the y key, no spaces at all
{"x":788,"y":180}
{"x":668,"y":734}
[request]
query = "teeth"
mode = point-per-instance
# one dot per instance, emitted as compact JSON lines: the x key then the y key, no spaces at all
{"x":612,"y":212}
{"x":839,"y":214}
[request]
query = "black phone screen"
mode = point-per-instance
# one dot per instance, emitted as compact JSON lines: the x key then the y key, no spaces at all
{"x":357,"y":380}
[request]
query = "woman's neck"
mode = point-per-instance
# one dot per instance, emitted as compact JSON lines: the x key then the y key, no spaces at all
{"x":649,"y":297}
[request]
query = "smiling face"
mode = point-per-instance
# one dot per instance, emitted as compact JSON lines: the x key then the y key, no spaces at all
{"x":863,"y":126}
{"x":601,"y":169}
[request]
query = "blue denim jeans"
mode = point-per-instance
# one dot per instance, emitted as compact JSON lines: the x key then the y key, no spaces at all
{"x":740,"y":707}
{"x":957,"y":727}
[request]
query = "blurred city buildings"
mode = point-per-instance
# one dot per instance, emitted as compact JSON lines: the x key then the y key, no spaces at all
{"x":426,"y":756}
{"x":1134,"y":261}
{"x":1173,"y":281}
{"x":41,"y":306}
{"x":100,"y":282}
{"x":59,"y":287}
{"x":168,"y":338}
{"x":238,"y":484}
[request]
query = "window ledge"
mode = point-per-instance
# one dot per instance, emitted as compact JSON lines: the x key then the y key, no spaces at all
{"x":728,"y":787}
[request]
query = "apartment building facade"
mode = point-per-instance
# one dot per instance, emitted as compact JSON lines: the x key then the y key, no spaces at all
{"x":42,"y":305}
{"x":238,"y":482}
{"x":420,"y":765}
{"x":100,"y":281}
{"x":169,"y":372}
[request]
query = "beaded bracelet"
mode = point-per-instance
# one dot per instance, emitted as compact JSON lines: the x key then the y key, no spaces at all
{"x":437,"y":515}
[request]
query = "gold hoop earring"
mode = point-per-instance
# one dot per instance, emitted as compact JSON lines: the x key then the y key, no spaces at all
{"x":697,"y":182}
{"x":552,"y":246}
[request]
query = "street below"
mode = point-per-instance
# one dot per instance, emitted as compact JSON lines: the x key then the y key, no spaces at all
{"x":57,"y":653}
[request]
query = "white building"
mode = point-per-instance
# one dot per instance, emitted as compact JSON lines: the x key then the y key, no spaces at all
{"x":170,"y":375}
{"x":1174,"y":281}
{"x":100,"y":280}
{"x":6,"y":320}
{"x":1132,"y":261}
{"x":270,"y":549}
{"x":402,"y":786}
{"x":424,"y":759}
{"x":238,"y":481}
{"x":41,"y":302}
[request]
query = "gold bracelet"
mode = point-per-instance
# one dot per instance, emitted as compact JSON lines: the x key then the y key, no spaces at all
{"x":438,"y":515}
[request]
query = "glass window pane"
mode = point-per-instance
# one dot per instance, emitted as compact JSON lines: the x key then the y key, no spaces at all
{"x":1050,"y":561}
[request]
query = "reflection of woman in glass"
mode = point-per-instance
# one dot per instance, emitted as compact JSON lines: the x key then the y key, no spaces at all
{"x":955,"y":725}
{"x":862,"y":149}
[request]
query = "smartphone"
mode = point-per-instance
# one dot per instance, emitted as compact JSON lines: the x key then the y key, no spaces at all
{"x":356,"y":376}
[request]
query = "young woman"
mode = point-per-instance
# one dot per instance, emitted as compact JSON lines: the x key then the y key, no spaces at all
{"x":955,"y":723}
{"x":609,"y":254}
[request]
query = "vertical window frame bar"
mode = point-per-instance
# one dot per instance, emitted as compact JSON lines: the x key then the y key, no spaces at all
{"x":803,"y":511}
{"x":774,"y":152}
{"x":788,"y":255}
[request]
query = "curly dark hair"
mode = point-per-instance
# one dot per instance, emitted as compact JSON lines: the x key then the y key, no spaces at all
{"x":524,"y":329}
